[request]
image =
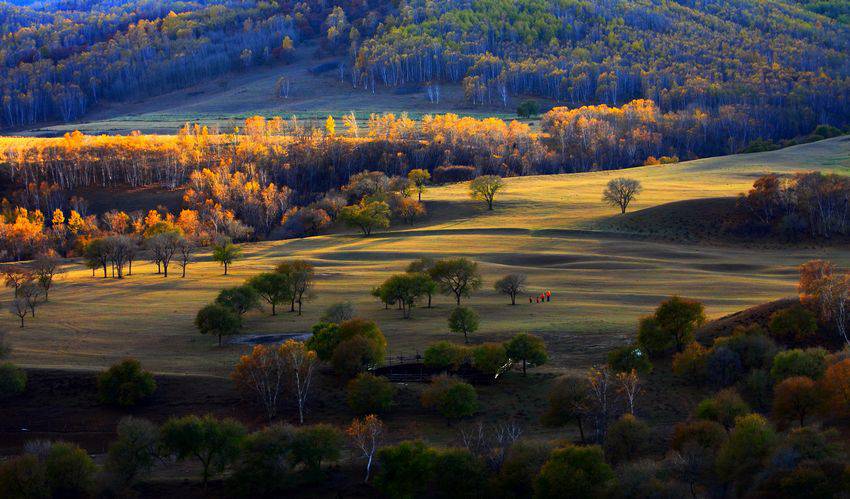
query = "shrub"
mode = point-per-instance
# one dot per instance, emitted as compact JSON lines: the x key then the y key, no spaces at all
{"x":458,"y":473}
{"x":23,"y":477}
{"x":574,"y":472}
{"x":133,"y":453}
{"x":645,"y":478}
{"x":724,"y":367}
{"x":215,"y":443}
{"x":836,"y":382}
{"x":569,"y":400}
{"x":795,"y":398}
{"x":626,"y":358}
{"x":357,"y":344}
{"x":810,"y":363}
{"x":754,"y":349}
{"x":691,"y":363}
{"x":370,"y":394}
{"x":447,"y":174}
{"x":758,"y":388}
{"x":405,"y":470}
{"x":795,"y":324}
{"x":521,"y":465}
{"x":489,"y":358}
{"x":671,"y":326}
{"x":706,"y":434}
{"x":324,"y":340}
{"x":750,"y":443}
{"x":527,"y":109}
{"x":338,"y":313}
{"x":445,"y":355}
{"x":355,"y":355}
{"x":450,"y":397}
{"x":316,"y":444}
{"x":125,"y":384}
{"x":626,"y":440}
{"x":13,"y":380}
{"x":266,"y":462}
{"x":724,"y":407}
{"x":69,"y":470}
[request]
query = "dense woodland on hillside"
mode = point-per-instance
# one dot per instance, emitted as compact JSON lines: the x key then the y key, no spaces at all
{"x":768,"y":70}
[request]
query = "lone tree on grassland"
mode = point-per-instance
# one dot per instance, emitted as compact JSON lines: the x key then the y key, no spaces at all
{"x":463,"y":320}
{"x":219,"y":320}
{"x":511,"y":285}
{"x":458,"y":276}
{"x":530,"y":349}
{"x":366,"y":216}
{"x":485,"y":188}
{"x":45,"y":270}
{"x":621,"y":191}
{"x":420,"y":179}
{"x":225,"y":253}
{"x":299,"y":275}
{"x":273,"y":287}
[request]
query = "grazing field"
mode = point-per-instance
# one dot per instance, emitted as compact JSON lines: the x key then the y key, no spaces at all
{"x":548,"y":227}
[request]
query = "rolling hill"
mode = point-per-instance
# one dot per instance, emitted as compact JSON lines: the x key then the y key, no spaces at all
{"x":543,"y":226}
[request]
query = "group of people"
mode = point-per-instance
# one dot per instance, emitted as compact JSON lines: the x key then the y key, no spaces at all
{"x":541,"y":298}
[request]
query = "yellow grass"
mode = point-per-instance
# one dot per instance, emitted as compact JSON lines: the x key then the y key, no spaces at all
{"x":542,"y":226}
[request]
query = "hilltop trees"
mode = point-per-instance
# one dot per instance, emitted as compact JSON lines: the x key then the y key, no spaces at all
{"x":620,"y":192}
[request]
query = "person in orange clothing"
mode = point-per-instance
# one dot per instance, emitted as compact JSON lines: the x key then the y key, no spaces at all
{"x":548,"y":295}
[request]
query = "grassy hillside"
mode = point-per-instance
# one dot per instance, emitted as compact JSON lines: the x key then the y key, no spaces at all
{"x":601,"y":281}
{"x":227,"y":100}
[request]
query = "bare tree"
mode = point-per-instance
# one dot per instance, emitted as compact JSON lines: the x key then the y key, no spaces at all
{"x":30,"y":292}
{"x":119,"y":249}
{"x":185,"y":248}
{"x":491,"y":444}
{"x":511,"y":285}
{"x":620,"y":192}
{"x":16,"y":276}
{"x":20,"y":308}
{"x":45,"y":270}
{"x":163,"y":248}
